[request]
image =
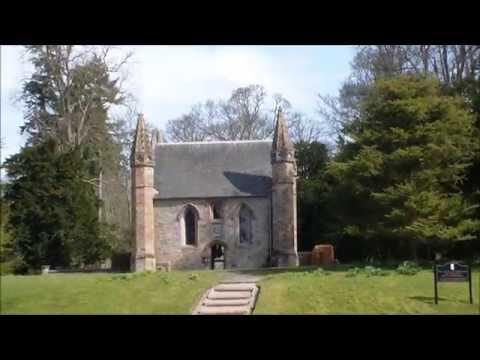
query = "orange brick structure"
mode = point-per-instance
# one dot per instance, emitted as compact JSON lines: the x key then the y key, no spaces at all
{"x":323,"y":255}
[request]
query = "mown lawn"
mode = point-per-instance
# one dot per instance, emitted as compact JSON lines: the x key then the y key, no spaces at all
{"x":310,"y":292}
{"x":300,"y":291}
{"x":157,"y":293}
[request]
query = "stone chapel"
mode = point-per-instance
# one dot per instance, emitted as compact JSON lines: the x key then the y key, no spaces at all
{"x":208,"y":205}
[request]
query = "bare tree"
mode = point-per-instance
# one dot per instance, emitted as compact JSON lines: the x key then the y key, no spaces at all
{"x":451,"y":64}
{"x":192,"y":126}
{"x":242,"y":116}
{"x":305,"y":129}
{"x":245,"y":115}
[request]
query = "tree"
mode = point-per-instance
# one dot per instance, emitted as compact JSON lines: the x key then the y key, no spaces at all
{"x":455,"y":66}
{"x":450,"y":64}
{"x":6,"y":241}
{"x":245,"y":115}
{"x":53,"y":207}
{"x":312,"y":191}
{"x":411,"y":148}
{"x":69,"y":93}
{"x":69,"y":97}
{"x":117,"y":201}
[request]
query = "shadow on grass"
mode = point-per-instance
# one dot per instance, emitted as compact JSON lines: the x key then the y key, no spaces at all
{"x":272,"y":271}
{"x":430,"y":299}
{"x":331,"y":268}
{"x":426,"y":299}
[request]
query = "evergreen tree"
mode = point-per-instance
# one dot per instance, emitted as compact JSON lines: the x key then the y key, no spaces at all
{"x":53,"y":207}
{"x":6,"y":241}
{"x":68,"y":97}
{"x":410,"y":150}
{"x":312,"y":194}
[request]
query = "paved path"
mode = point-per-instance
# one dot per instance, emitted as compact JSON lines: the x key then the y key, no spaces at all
{"x":236,"y":295}
{"x":234,"y":277}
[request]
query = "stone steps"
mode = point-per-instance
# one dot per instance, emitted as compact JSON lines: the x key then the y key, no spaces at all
{"x":228,"y":299}
{"x":214,"y":294}
{"x":235,"y":287}
{"x":225,"y":310}
{"x":228,"y":302}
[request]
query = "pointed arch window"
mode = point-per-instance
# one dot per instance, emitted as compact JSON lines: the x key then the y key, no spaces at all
{"x":245,"y":217}
{"x":189,"y":225}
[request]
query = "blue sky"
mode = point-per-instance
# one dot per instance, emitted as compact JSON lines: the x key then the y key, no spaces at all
{"x":168,"y":80}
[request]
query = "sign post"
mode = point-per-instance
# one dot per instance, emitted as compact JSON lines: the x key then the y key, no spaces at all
{"x":470,"y":284}
{"x":452,"y":272}
{"x":435,"y":281}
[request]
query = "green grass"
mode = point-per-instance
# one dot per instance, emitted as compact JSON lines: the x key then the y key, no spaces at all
{"x":154,"y":293}
{"x":307,"y":291}
{"x":299,"y":291}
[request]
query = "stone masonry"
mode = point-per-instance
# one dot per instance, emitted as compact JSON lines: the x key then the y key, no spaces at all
{"x":169,"y":246}
{"x":142,"y":199}
{"x":284,"y":197}
{"x":168,"y":179}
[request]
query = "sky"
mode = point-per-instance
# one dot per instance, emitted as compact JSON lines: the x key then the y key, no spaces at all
{"x":167,"y":80}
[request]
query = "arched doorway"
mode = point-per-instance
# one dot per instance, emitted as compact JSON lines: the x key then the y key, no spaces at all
{"x":217,"y":256}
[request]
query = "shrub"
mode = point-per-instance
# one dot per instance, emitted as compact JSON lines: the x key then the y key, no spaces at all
{"x":408,"y":268}
{"x":321,"y":271}
{"x":367,"y":270}
{"x":374,"y":271}
{"x":6,"y":268}
{"x":353,"y":272}
{"x":19,"y":267}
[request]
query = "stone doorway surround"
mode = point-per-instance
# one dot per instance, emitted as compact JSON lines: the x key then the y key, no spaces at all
{"x":216,"y":261}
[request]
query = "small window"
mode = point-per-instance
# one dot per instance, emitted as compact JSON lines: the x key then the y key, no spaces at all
{"x":216,"y":211}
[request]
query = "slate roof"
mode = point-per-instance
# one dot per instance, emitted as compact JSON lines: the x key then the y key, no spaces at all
{"x":213,"y":169}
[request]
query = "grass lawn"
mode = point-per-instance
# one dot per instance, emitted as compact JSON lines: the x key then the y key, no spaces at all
{"x":157,"y":293}
{"x":310,"y":292}
{"x":299,"y":291}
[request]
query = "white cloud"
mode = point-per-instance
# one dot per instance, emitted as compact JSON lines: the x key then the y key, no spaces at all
{"x":168,"y":80}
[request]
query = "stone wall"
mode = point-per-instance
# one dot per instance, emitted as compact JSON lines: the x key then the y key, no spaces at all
{"x":284,"y":200}
{"x":143,"y":193}
{"x":169,"y":242}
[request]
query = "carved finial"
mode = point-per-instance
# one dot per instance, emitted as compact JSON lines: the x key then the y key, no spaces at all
{"x":161,"y":137}
{"x":142,"y":148}
{"x":282,"y":147}
{"x":157,"y":138}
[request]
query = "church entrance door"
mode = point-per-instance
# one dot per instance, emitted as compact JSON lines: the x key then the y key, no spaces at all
{"x":217,"y":257}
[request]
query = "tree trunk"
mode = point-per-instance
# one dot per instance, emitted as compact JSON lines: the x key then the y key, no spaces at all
{"x":100,"y":182}
{"x":445,"y":64}
{"x":413,"y":250}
